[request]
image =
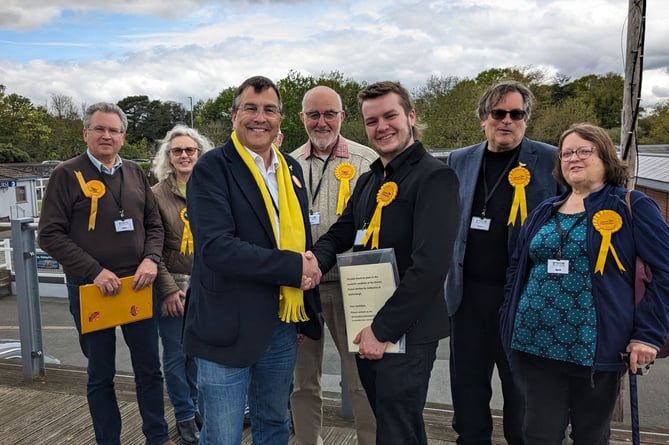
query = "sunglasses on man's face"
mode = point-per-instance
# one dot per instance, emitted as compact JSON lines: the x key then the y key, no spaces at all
{"x":516,"y":114}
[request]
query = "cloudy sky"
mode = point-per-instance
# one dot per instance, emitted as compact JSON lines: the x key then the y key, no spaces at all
{"x":175,"y":49}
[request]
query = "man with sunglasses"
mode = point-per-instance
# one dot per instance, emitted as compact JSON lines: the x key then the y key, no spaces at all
{"x":501,"y":180}
{"x":325,"y":154}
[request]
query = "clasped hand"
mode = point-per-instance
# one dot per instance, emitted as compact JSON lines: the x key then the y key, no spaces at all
{"x":311,"y":273}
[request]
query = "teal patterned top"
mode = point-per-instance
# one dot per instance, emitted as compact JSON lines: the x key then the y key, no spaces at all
{"x":556,"y":316}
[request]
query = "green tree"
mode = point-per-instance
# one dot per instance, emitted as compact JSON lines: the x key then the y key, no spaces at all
{"x":9,"y":154}
{"x":654,"y":128}
{"x":447,"y":106}
{"x":23,"y":125}
{"x":554,"y":119}
{"x":603,"y":93}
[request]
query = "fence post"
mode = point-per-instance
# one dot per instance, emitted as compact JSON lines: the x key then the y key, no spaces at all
{"x":27,"y":298}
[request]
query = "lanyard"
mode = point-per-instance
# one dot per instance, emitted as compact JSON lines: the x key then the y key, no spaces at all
{"x":314,"y":192}
{"x":565,"y":235}
{"x":497,"y":183}
{"x":119,"y":199}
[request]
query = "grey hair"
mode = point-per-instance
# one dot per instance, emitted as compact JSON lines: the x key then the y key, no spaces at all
{"x":106,"y":107}
{"x":162,"y":167}
{"x":496,"y":94}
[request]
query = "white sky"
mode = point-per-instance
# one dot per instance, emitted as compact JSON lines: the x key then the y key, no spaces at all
{"x":169,"y":49}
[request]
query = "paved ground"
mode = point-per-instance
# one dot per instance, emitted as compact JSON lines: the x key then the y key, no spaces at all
{"x":60,"y":340}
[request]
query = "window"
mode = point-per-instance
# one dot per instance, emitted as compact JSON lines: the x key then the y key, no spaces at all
{"x":21,"y":194}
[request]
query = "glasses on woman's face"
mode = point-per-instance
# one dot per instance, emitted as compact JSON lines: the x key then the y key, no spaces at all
{"x":177,"y":151}
{"x":581,"y":153}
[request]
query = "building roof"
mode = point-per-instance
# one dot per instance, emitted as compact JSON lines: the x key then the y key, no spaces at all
{"x":653,"y":171}
{"x":12,"y":172}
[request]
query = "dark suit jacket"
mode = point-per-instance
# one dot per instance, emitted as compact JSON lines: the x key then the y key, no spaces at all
{"x":420,"y":225}
{"x":233,"y":303}
{"x":539,"y":159}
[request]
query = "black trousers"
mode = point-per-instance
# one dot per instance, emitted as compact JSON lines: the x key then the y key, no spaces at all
{"x":476,"y":349}
{"x":396,"y":387}
{"x":558,"y":393}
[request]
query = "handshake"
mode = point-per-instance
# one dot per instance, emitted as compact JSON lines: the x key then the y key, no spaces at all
{"x":311,"y":273}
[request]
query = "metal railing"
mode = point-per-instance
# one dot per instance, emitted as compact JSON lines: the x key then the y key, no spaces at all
{"x":27,"y":296}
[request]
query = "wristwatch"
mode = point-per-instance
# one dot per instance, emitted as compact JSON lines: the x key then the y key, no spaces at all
{"x":153,"y":257}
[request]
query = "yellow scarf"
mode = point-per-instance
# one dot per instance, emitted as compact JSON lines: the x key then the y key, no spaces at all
{"x":291,"y":227}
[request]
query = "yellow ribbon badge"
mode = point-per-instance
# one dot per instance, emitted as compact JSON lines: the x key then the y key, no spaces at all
{"x":519,"y":178}
{"x":385,"y":196}
{"x":93,"y":189}
{"x":344,"y":172}
{"x":607,"y":222}
{"x":186,"y":236}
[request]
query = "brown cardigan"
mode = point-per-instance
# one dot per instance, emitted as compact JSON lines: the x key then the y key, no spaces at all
{"x":171,"y":202}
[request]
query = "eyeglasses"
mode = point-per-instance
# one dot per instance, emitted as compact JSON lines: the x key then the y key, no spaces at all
{"x":177,"y":151}
{"x":329,"y":115}
{"x":269,"y":110}
{"x":515,"y":114}
{"x":100,"y":131}
{"x":581,"y":153}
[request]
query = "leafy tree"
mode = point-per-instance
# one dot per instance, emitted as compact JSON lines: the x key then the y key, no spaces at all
{"x":23,"y":125}
{"x":9,"y":154}
{"x":603,"y":93}
{"x":555,"y":119}
{"x":447,"y":105}
{"x":213,"y":118}
{"x":654,"y":128}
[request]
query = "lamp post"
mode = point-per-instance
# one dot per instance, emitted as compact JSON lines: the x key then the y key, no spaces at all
{"x":191,"y":111}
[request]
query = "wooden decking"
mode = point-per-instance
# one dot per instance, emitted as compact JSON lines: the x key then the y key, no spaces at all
{"x":53,"y":410}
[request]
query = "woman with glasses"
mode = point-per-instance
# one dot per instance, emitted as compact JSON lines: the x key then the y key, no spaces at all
{"x":173,"y":165}
{"x":569,"y":309}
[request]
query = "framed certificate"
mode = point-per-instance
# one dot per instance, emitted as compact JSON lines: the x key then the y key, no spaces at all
{"x":368,"y":279}
{"x":105,"y":311}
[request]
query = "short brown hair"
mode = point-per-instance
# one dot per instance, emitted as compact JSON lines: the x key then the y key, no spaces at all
{"x":379,"y":89}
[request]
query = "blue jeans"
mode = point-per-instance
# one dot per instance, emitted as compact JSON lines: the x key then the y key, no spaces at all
{"x":222,"y":391}
{"x":99,"y":347}
{"x":180,"y":370}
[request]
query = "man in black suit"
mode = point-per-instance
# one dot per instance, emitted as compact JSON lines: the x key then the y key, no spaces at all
{"x":501,"y":180}
{"x":247,"y":208}
{"x":420,"y":212}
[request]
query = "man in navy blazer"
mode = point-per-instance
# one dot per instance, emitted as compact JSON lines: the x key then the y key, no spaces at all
{"x":245,"y":270}
{"x":501,"y":179}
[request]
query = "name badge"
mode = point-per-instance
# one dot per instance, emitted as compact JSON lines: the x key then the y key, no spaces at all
{"x":124,"y":225}
{"x":359,"y":235}
{"x":314,"y":218}
{"x":558,"y":266}
{"x":479,"y":223}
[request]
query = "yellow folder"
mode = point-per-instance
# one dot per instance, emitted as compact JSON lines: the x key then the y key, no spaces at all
{"x":104,"y":311}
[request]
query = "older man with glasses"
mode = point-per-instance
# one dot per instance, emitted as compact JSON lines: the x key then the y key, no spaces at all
{"x":501,"y":180}
{"x":323,"y":158}
{"x":101,"y":222}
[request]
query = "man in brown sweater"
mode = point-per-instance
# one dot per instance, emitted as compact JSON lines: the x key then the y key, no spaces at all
{"x":101,"y":222}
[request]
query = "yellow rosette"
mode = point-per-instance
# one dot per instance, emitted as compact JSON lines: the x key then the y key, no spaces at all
{"x":94,"y":190}
{"x":385,"y":196}
{"x":344,"y":173}
{"x":186,"y":236}
{"x":607,"y":222}
{"x":519,"y":178}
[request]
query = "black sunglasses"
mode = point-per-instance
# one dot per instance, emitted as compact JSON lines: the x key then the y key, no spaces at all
{"x":516,"y":114}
